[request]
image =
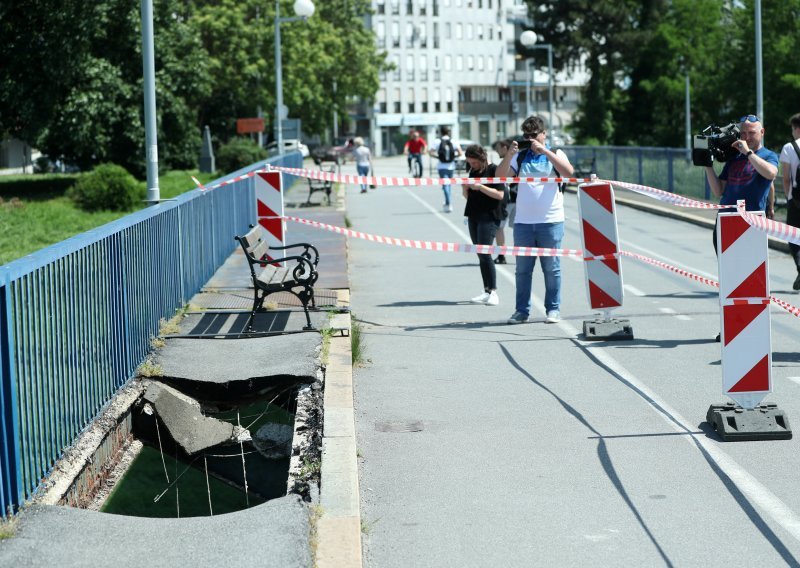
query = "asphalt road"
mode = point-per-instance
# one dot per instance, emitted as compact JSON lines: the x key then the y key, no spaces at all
{"x":486,"y":444}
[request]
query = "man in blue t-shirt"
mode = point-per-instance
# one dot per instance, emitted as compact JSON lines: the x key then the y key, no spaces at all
{"x":749,"y":175}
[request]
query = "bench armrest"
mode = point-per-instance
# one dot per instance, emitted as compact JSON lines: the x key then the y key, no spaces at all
{"x":303,"y":272}
{"x":310,"y":252}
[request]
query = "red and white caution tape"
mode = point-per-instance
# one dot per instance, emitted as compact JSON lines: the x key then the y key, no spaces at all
{"x":406,"y":181}
{"x":446,"y":247}
{"x":675,"y":269}
{"x":665,"y":196}
{"x":775,"y":229}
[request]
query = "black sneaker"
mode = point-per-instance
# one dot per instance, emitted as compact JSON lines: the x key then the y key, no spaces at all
{"x":796,"y":285}
{"x":502,"y":260}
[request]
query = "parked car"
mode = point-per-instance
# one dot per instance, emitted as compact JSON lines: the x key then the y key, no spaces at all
{"x":290,"y":145}
{"x":461,"y":161}
{"x":340,"y":153}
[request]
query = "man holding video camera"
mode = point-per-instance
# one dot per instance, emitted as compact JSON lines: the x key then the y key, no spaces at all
{"x":749,"y":174}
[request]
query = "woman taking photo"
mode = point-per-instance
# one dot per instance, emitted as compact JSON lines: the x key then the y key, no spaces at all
{"x":484,"y":211}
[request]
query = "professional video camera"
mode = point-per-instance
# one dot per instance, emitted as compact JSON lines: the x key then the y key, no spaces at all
{"x":716,"y":142}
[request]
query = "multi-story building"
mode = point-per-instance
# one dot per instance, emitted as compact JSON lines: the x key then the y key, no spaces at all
{"x":455,"y":65}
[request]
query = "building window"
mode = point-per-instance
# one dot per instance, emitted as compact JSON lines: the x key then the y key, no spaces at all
{"x":423,"y":8}
{"x":423,"y":68}
{"x":480,"y":31}
{"x":410,"y":7}
{"x":409,"y":67}
{"x":466,"y":129}
{"x":435,"y":7}
{"x":410,"y":35}
{"x":382,"y":107}
{"x":469,"y":31}
{"x":423,"y":35}
{"x":459,"y":62}
{"x":380,"y":34}
{"x":436,"y":34}
{"x":410,"y":97}
{"x":459,"y":31}
{"x":490,"y":63}
{"x":448,"y":30}
{"x":491,"y":32}
{"x":396,"y":61}
{"x":395,"y":34}
{"x":480,"y":63}
{"x":397,"y":107}
{"x":470,"y":63}
{"x":395,"y":7}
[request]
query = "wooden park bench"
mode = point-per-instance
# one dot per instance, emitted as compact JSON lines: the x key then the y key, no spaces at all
{"x":295,"y":274}
{"x":315,"y":185}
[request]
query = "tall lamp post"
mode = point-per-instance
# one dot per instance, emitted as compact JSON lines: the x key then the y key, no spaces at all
{"x":529,"y":39}
{"x":304,"y":10}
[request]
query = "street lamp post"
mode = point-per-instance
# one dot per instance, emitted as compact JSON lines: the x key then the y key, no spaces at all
{"x":304,"y":10}
{"x":529,"y":39}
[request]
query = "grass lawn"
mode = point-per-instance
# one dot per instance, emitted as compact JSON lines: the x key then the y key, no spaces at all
{"x":27,"y":225}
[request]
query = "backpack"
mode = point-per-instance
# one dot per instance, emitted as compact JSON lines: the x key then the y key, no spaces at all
{"x":447,"y":152}
{"x":796,"y":184}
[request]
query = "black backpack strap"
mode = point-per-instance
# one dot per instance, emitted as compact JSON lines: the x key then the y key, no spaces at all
{"x":796,"y":149}
{"x":561,"y":186}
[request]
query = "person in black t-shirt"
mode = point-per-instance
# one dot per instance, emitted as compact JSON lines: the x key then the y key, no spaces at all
{"x":501,"y":147}
{"x":484,"y":212}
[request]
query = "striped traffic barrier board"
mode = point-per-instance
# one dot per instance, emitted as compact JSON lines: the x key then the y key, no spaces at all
{"x":745,"y":318}
{"x":269,"y":206}
{"x":599,"y":238}
{"x":602,"y":269}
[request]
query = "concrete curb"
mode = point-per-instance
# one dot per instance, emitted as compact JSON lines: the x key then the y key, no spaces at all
{"x":339,"y":525}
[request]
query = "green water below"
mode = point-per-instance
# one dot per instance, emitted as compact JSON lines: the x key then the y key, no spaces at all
{"x":135,"y":493}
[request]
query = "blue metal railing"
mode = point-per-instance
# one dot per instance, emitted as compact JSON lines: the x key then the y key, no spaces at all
{"x":669,"y":169}
{"x":76,"y":318}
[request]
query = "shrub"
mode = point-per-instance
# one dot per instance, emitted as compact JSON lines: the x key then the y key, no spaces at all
{"x":239,"y":153}
{"x":108,"y":187}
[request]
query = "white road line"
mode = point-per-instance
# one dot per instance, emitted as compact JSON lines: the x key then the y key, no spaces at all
{"x":670,"y":311}
{"x":634,"y":290}
{"x":668,"y":260}
{"x":794,"y":379}
{"x":755,"y":491}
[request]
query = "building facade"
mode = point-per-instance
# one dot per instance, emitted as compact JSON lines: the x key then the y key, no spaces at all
{"x":455,"y":64}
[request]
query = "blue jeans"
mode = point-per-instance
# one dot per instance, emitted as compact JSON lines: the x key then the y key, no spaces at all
{"x":363,"y":171}
{"x":444,"y":174}
{"x":545,"y":235}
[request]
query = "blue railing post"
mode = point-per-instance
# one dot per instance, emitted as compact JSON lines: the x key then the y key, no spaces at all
{"x":670,"y":174}
{"x":10,"y":470}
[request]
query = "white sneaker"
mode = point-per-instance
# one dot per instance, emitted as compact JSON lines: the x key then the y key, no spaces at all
{"x":553,"y":316}
{"x":493,"y":299}
{"x":448,"y":208}
{"x":482,"y":299}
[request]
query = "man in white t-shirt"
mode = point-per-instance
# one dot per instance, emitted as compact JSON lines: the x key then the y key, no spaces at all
{"x":789,"y":164}
{"x":539,"y":216}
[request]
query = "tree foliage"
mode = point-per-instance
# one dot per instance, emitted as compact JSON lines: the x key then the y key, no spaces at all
{"x":71,"y":73}
{"x":639,"y":52}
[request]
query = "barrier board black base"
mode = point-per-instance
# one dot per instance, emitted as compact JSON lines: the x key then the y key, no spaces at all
{"x":608,"y":330}
{"x":736,"y":424}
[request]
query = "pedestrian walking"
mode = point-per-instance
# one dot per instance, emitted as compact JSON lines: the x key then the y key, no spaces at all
{"x":446,"y":151}
{"x":483,"y":212}
{"x":363,"y":159}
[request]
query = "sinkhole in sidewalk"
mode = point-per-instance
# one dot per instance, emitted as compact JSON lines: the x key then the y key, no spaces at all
{"x":167,"y":479}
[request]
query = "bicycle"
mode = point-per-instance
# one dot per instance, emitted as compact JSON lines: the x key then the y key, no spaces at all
{"x":415,"y":165}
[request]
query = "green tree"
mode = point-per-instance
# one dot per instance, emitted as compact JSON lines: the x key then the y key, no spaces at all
{"x":333,"y":45}
{"x":86,"y":102}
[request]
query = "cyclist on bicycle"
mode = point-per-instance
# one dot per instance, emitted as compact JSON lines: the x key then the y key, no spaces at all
{"x":415,"y":146}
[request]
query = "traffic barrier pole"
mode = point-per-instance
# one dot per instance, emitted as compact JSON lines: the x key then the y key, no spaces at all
{"x":603,"y":278}
{"x":269,"y":207}
{"x":745,"y":335}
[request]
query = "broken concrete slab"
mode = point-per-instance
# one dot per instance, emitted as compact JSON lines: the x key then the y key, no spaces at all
{"x":185,"y":421}
{"x":225,"y":368}
{"x":274,"y":534}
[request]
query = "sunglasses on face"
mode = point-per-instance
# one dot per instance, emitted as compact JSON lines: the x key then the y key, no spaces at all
{"x":749,"y":118}
{"x":533,"y":134}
